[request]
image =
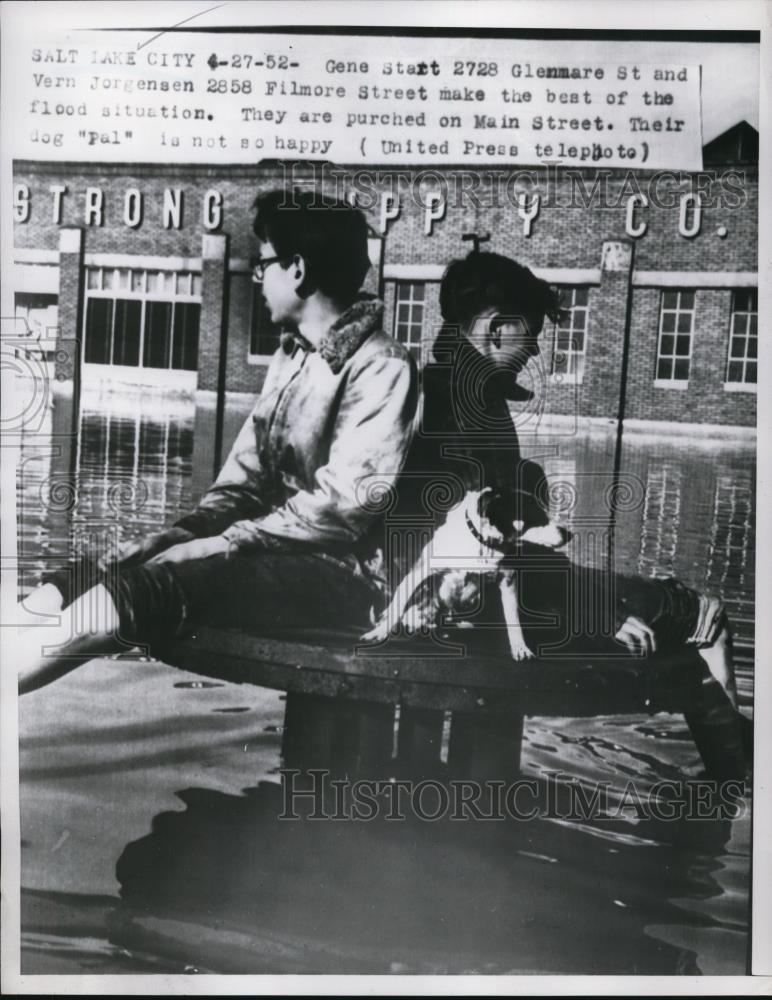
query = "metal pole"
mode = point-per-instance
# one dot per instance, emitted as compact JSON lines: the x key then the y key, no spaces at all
{"x":617,"y":468}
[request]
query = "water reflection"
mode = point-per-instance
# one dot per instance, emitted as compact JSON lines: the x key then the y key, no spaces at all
{"x":223,"y":886}
{"x":687,"y":509}
{"x":127,"y":473}
{"x":445,"y":897}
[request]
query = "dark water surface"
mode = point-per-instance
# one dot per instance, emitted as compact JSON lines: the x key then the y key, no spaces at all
{"x":150,"y":798}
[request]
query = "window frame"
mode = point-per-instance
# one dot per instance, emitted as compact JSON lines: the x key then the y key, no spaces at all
{"x":571,"y":378}
{"x":416,"y":349}
{"x":733,"y":385}
{"x":674,"y":383}
{"x":135,"y":287}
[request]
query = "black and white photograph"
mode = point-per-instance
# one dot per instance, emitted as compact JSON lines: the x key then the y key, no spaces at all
{"x":380,"y":452}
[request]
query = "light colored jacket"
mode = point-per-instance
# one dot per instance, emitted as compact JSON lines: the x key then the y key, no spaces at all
{"x":330,"y":430}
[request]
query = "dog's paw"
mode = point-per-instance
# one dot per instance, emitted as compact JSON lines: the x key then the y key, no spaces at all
{"x":378,"y":633}
{"x":521,"y":652}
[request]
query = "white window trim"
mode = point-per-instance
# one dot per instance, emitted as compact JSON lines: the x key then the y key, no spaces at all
{"x":695,"y":279}
{"x":434,"y":272}
{"x":740,"y":387}
{"x":561,"y":378}
{"x":36,"y":278}
{"x":164,"y":378}
{"x":143,"y":294}
{"x":142,"y":262}
{"x":666,"y":383}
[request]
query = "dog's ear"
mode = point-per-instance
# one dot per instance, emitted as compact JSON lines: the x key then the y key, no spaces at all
{"x":485,"y":514}
{"x":551,"y":536}
{"x":565,"y":534}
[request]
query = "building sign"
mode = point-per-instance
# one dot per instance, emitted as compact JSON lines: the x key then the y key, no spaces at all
{"x":239,"y":98}
{"x":165,"y":209}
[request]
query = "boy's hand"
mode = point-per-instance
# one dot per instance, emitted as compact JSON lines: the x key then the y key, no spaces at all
{"x":144,"y":549}
{"x":198,"y":548}
{"x":637,"y":636}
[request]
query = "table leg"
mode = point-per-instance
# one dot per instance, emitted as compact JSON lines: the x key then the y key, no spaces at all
{"x":346,"y":738}
{"x":485,"y":746}
{"x":420,"y":740}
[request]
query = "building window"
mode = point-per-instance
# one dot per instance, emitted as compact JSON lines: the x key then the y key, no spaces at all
{"x":36,"y":315}
{"x":676,"y":328}
{"x":263,"y":334}
{"x":571,"y":335}
{"x":409,"y":315}
{"x":743,"y":337}
{"x":141,"y":318}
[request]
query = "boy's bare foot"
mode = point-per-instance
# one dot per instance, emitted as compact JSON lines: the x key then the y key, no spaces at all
{"x":43,"y":602}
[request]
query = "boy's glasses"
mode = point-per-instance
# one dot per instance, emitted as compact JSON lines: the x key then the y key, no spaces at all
{"x":258,"y":271}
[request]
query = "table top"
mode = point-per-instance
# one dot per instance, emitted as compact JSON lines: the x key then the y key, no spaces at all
{"x":460,"y":670}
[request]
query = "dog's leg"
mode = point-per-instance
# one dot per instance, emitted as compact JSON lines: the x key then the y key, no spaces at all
{"x":395,"y":610}
{"x":508,"y":591}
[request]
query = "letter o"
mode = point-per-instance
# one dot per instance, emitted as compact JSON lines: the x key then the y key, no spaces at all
{"x":132,"y":208}
{"x":442,"y":800}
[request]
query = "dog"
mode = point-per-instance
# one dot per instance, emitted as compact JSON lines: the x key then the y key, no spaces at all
{"x":476,"y":536}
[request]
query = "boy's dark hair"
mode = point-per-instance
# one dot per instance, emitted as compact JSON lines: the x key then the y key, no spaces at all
{"x":330,"y":236}
{"x":484,"y":280}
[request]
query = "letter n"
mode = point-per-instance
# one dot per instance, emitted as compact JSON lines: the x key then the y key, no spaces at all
{"x":172,"y":208}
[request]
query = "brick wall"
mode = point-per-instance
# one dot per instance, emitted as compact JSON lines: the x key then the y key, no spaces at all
{"x":67,"y":357}
{"x":706,"y":400}
{"x":211,"y":336}
{"x":562,"y":236}
{"x":571,"y":235}
{"x":240,"y":374}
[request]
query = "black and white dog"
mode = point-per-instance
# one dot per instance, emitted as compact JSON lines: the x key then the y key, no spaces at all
{"x":475,"y":538}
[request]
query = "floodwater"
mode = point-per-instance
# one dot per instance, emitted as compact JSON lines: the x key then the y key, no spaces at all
{"x":150,"y":798}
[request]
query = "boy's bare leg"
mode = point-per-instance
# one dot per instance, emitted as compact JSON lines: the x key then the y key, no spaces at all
{"x":42,"y":601}
{"x":87,"y":628}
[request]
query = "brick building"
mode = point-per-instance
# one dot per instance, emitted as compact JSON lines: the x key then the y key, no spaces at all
{"x":145,"y":272}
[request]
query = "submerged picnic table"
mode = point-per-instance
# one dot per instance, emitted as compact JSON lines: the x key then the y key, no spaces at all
{"x":349,"y":703}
